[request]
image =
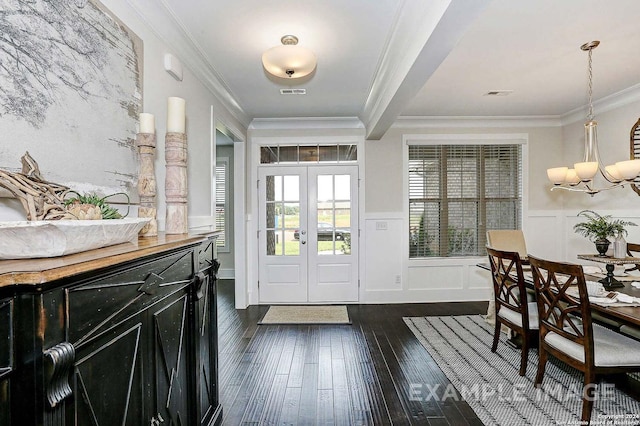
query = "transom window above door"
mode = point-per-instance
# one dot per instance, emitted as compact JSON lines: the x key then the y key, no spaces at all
{"x":294,"y":154}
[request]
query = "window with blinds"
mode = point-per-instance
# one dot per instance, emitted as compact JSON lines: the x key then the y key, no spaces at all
{"x":457,"y":192}
{"x":221,"y":203}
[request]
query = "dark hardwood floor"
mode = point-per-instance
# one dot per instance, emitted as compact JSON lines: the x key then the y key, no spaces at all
{"x":373,"y":372}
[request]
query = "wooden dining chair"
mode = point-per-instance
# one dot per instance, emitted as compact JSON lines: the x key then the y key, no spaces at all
{"x":633,"y":250}
{"x":508,"y":240}
{"x":568,"y":333}
{"x":512,"y":307}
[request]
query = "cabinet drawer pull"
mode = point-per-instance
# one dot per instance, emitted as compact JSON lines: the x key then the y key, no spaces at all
{"x":58,"y":362}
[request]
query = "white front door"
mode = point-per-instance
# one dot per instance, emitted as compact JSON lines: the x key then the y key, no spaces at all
{"x":308,"y":216}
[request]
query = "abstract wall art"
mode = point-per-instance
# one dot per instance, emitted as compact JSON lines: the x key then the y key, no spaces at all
{"x":70,"y":93}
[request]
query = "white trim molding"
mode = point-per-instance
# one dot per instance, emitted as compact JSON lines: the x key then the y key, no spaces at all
{"x":306,"y":123}
{"x":413,"y":122}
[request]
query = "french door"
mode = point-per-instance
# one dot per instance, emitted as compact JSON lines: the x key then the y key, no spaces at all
{"x":308,"y":234}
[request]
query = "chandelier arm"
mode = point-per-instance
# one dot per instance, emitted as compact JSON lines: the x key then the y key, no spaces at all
{"x":607,"y":176}
{"x":587,"y":189}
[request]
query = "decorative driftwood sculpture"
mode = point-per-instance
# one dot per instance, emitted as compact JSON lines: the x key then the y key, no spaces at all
{"x":41,"y":199}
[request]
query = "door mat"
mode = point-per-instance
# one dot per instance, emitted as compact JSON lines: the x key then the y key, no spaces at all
{"x":307,"y":314}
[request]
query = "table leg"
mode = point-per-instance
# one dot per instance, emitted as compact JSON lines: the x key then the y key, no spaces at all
{"x":610,"y":281}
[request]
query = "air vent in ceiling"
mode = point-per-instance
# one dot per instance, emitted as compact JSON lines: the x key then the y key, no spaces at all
{"x":498,"y":93}
{"x":293,"y":91}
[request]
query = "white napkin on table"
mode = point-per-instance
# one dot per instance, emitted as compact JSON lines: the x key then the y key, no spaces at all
{"x":595,"y":288}
{"x":591,"y":269}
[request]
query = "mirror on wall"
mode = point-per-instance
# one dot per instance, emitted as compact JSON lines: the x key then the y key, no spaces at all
{"x":635,"y":148}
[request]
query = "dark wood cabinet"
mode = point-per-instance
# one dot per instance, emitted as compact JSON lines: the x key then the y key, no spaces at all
{"x":112,"y":338}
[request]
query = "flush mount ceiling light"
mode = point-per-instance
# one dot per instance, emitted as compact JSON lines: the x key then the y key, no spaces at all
{"x":289,"y":60}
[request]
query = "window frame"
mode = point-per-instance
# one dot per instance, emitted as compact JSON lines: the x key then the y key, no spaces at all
{"x":223,"y":161}
{"x":460,"y":139}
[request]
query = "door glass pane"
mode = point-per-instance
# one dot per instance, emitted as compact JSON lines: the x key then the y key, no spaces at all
{"x":268,"y":154}
{"x":328,"y":153}
{"x":334,"y":214}
{"x":291,"y":188}
{"x":273,"y":188}
{"x":347,"y":153}
{"x":282,"y":219}
{"x":343,"y":187}
{"x":289,"y":154}
{"x":291,"y":245}
{"x":291,"y":216}
{"x":325,"y":188}
{"x":271,"y":243}
{"x":270,"y":211}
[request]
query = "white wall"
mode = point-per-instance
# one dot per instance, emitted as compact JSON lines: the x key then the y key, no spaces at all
{"x":548,"y":219}
{"x":158,"y":85}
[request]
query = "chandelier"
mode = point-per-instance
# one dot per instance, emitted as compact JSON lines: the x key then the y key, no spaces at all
{"x":581,"y":177}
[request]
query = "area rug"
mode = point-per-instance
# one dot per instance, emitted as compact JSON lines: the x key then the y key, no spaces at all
{"x":308,"y":314}
{"x":489,"y":382}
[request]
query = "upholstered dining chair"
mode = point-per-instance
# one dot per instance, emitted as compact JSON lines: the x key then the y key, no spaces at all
{"x":508,"y":240}
{"x":513,"y":310}
{"x":568,"y":333}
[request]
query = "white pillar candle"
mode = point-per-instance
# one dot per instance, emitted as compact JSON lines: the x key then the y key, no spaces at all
{"x":147,"y":123}
{"x":175,"y":115}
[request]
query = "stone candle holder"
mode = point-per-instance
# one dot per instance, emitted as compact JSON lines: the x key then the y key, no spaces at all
{"x":176,"y":183}
{"x":146,"y":144}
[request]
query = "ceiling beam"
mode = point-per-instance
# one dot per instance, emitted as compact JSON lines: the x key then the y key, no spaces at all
{"x":424,"y":34}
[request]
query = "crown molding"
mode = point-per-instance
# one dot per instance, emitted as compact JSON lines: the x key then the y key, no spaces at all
{"x":608,"y":103}
{"x":412,"y":122}
{"x":162,"y":21}
{"x":306,"y":123}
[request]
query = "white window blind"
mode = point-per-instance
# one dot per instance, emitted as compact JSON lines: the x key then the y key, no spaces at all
{"x":457,"y":192}
{"x":221,"y":203}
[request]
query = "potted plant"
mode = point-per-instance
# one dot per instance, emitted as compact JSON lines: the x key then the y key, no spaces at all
{"x":599,"y":229}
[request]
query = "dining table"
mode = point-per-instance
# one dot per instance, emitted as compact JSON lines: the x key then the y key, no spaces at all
{"x":624,"y":313}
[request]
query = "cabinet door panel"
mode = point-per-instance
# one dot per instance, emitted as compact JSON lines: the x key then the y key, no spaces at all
{"x":170,"y":350}
{"x":6,"y":359}
{"x":206,"y":351}
{"x":108,"y":381}
{"x":96,"y":306}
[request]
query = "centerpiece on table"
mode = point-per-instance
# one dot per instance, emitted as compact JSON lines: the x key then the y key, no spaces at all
{"x":57,"y":223}
{"x":598,"y":229}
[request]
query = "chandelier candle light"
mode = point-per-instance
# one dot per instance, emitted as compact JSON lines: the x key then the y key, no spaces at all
{"x":175,"y":150}
{"x":580,"y":178}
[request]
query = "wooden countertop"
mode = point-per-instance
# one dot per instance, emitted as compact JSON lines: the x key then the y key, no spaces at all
{"x":40,"y":271}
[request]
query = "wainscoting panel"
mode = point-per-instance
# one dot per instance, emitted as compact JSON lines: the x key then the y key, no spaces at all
{"x":436,"y":277}
{"x":390,"y":277}
{"x":383,"y":254}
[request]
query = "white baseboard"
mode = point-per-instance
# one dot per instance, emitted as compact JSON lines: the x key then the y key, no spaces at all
{"x":226,"y":274}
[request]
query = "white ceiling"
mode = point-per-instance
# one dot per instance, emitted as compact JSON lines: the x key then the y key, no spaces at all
{"x":379,"y":59}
